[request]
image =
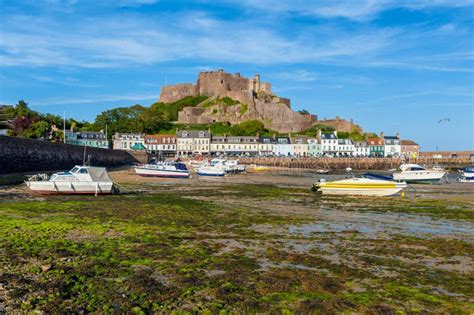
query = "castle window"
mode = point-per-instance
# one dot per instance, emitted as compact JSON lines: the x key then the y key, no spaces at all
{"x":222,"y":81}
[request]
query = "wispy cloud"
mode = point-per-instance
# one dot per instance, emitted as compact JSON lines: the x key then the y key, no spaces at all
{"x":360,"y":10}
{"x":298,"y":75}
{"x":99,"y":98}
{"x":66,"y":81}
{"x":114,"y":43}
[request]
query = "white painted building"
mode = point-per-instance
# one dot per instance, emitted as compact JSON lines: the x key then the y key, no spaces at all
{"x":361,"y":149}
{"x":193,"y":142}
{"x":299,"y":146}
{"x":125,"y":141}
{"x":329,"y":143}
{"x":345,"y":147}
{"x":266,"y":146}
{"x":314,"y":147}
{"x":163,"y":144}
{"x":282,"y":147}
{"x":238,"y":145}
{"x":392,"y":146}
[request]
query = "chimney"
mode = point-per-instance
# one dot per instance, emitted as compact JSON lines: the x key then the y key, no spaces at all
{"x":397,"y":135}
{"x":273,"y":136}
{"x":319,"y":134}
{"x":381,"y":135}
{"x":258,"y":134}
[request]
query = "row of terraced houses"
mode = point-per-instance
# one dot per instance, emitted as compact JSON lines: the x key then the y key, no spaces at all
{"x":193,"y":142}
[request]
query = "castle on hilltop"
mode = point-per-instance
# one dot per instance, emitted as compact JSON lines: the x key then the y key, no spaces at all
{"x":233,"y":99}
{"x":220,"y":84}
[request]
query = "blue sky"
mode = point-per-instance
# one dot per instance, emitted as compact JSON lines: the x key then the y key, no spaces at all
{"x":389,"y":65}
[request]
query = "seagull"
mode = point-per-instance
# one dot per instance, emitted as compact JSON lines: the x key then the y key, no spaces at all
{"x":443,"y":120}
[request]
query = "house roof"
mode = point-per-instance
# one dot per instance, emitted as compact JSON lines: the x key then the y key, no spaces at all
{"x":376,"y":141}
{"x":160,"y":138}
{"x":266,"y":140}
{"x":300,"y":140}
{"x":193,"y":134}
{"x":391,"y":138}
{"x":328,"y":136}
{"x":408,"y":142}
{"x":283,"y":140}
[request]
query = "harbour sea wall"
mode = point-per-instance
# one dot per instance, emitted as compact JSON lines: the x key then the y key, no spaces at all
{"x":25,"y":155}
{"x":354,"y":163}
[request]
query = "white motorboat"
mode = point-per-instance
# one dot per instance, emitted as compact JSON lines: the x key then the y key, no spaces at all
{"x":322,"y":171}
{"x":360,"y":187}
{"x":230,"y":166}
{"x":163,"y":169}
{"x":211,"y":170}
{"x":79,"y":180}
{"x":414,"y":173}
{"x":467,"y":175}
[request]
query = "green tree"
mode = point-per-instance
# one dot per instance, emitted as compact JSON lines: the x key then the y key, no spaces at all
{"x":37,"y":130}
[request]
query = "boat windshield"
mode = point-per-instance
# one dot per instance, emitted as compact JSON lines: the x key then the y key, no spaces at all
{"x":74,"y":169}
{"x":83,"y":171}
{"x":181,"y":166}
{"x":469,"y":169}
{"x":417,"y":168}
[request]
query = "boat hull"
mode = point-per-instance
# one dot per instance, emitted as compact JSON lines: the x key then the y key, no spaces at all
{"x":361,"y":187}
{"x":161,"y":173}
{"x":419,"y":177}
{"x":211,"y":174}
{"x":383,"y":192}
{"x":70,"y":188}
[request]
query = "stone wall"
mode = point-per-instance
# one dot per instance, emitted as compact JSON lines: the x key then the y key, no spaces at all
{"x":217,"y":83}
{"x":339,"y":124}
{"x":173,"y":93}
{"x":280,"y":117}
{"x":24,"y":155}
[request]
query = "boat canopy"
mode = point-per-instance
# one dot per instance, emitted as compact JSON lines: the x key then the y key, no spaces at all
{"x":411,"y":167}
{"x":99,"y":174}
{"x":469,"y":169}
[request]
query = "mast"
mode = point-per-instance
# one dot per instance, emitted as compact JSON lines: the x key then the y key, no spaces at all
{"x":64,"y":126}
{"x":106,"y":139}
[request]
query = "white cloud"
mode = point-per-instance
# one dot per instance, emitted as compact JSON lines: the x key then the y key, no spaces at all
{"x":118,"y":42}
{"x":298,"y":75}
{"x":95,"y":99}
{"x":359,"y":10}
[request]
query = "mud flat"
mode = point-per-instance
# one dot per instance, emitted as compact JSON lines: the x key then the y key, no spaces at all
{"x":260,"y":242}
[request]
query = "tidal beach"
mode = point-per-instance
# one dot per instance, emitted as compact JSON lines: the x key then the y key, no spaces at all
{"x":260,"y":242}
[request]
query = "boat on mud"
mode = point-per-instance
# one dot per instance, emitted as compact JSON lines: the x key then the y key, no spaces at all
{"x":467,"y":175}
{"x":83,"y":180}
{"x":322,"y":171}
{"x":163,"y":169}
{"x":360,"y":187}
{"x":414,"y":173}
{"x":216,"y":170}
{"x":230,"y":166}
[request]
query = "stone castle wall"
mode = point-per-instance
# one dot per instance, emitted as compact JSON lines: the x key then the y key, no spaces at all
{"x":24,"y":155}
{"x":339,"y":124}
{"x":173,"y":93}
{"x":217,"y":83}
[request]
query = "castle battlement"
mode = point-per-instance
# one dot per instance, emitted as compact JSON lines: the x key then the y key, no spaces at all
{"x":219,"y":84}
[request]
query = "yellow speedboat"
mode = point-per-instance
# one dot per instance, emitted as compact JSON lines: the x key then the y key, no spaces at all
{"x":360,"y":187}
{"x":257,"y":168}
